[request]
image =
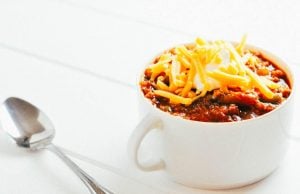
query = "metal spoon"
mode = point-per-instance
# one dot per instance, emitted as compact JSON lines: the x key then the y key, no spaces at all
{"x":30,"y":128}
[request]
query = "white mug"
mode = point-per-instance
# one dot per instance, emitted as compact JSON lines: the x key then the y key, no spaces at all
{"x":216,"y":155}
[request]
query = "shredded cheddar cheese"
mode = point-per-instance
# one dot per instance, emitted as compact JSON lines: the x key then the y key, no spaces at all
{"x":173,"y":97}
{"x":192,"y":71}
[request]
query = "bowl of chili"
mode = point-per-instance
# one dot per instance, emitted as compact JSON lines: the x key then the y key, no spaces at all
{"x":223,"y":110}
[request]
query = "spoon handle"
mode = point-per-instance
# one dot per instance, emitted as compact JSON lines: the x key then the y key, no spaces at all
{"x":92,"y":185}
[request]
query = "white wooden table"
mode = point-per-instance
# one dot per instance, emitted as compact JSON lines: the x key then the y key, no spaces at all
{"x":78,"y":60}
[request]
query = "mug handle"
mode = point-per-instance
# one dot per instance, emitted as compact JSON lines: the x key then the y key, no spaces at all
{"x":148,"y":123}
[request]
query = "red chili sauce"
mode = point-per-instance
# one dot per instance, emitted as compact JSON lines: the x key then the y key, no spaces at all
{"x":230,"y":105}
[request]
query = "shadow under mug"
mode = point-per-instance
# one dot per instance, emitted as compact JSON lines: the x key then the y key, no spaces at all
{"x":216,"y":155}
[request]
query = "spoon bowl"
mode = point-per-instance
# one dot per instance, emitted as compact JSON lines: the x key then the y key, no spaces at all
{"x":26,"y":124}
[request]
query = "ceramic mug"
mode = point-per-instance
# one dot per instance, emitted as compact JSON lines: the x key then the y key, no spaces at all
{"x":216,"y":155}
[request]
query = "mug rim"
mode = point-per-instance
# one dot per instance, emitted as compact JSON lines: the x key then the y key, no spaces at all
{"x":278,"y":61}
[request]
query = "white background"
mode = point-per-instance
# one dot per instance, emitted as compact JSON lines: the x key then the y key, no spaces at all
{"x":79,"y":59}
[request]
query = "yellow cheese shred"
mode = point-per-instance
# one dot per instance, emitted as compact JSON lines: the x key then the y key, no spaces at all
{"x":157,"y":69}
{"x":259,"y":84}
{"x":200,"y":41}
{"x":241,"y":45}
{"x":183,"y":61}
{"x":173,"y":97}
{"x":162,"y":86}
{"x":228,"y":79}
{"x":236,"y":58}
{"x":189,"y":84}
{"x":269,"y":83}
{"x":175,"y":71}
